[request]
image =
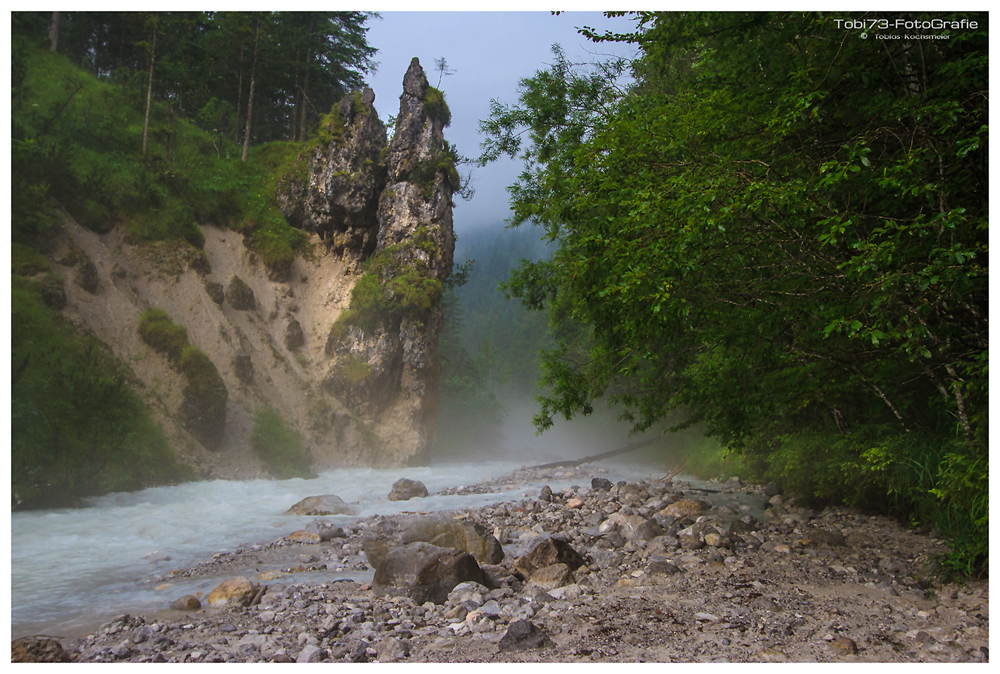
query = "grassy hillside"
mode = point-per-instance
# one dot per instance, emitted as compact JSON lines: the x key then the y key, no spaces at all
{"x":78,"y":427}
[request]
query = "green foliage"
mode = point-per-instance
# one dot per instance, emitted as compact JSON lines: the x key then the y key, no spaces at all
{"x":392,"y":288}
{"x":78,"y":138}
{"x":205,"y":396}
{"x":436,"y":106}
{"x":748,"y":241}
{"x":158,"y":331}
{"x":77,"y":428}
{"x":278,"y":446}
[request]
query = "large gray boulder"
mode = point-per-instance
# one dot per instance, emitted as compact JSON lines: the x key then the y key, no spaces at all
{"x":441,"y":529}
{"x":547,"y":552}
{"x":404,"y":489}
{"x":425,"y":572}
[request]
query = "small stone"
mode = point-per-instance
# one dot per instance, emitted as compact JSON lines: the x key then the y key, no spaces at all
{"x":303,"y":536}
{"x":310,"y":653}
{"x":843,"y":646}
{"x":523,"y":635}
{"x":186,"y":603}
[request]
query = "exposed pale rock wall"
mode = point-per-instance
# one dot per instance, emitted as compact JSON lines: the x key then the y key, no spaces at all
{"x":394,"y":203}
{"x":357,"y":395}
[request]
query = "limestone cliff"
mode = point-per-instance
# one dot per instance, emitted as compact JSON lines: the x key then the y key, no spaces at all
{"x":389,"y":206}
{"x":343,"y":345}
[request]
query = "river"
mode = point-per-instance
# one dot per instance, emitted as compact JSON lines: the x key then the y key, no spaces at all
{"x":72,"y":569}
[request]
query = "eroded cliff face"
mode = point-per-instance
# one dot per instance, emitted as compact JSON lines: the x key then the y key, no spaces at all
{"x":343,"y":345}
{"x":390,"y":208}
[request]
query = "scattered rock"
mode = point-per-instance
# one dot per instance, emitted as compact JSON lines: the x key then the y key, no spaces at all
{"x":186,"y":603}
{"x":547,"y":552}
{"x":318,"y":506}
{"x":38,"y":649}
{"x":425,"y":572}
{"x":843,"y":646}
{"x":523,"y":635}
{"x":552,"y":576}
{"x":236,"y":591}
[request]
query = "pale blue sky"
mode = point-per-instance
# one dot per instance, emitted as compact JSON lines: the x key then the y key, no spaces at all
{"x":489,"y":52}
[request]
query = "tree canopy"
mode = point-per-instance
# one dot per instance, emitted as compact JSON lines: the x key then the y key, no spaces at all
{"x":780,"y":229}
{"x":204,"y":61}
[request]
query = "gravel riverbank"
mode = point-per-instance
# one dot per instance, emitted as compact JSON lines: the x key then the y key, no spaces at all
{"x":669,"y":573}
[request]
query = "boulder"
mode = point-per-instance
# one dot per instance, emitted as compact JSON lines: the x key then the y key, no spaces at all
{"x":441,"y":530}
{"x":425,"y":572}
{"x":686,"y":508}
{"x":318,"y":506}
{"x":303,"y":536}
{"x":188,"y":602}
{"x":38,"y":649}
{"x":601,"y":484}
{"x":236,"y":591}
{"x":404,"y":489}
{"x":552,"y":576}
{"x":547,"y":552}
{"x":523,"y":635}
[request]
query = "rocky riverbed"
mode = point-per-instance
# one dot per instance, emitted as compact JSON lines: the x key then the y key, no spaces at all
{"x":641,"y":571}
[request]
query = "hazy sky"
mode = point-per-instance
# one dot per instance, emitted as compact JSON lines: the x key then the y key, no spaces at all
{"x":489,"y":53}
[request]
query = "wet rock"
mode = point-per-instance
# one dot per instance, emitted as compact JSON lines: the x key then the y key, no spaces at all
{"x":318,"y":506}
{"x":303,"y":536}
{"x":326,"y":531}
{"x":425,"y":572}
{"x":186,"y":603}
{"x":733,"y":484}
{"x":404,"y":489}
{"x":771,"y":489}
{"x":235,"y":591}
{"x":38,"y":649}
{"x":546,"y":552}
{"x":546,"y":494}
{"x":523,"y":635}
{"x":601,"y":484}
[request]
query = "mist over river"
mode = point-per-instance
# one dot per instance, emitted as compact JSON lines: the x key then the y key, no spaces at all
{"x":71,"y":569}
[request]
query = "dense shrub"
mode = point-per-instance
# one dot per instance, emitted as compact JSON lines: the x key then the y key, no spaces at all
{"x":278,"y":446}
{"x":159,"y":332}
{"x":77,"y":427}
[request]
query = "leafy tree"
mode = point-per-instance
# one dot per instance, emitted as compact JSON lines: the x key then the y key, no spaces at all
{"x":780,"y":229}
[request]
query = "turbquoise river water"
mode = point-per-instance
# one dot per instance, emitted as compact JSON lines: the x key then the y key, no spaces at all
{"x":72,"y":569}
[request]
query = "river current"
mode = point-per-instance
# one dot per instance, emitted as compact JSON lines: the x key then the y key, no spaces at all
{"x":74,"y":568}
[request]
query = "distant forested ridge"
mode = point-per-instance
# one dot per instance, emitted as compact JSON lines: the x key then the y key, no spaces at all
{"x":779,"y":227}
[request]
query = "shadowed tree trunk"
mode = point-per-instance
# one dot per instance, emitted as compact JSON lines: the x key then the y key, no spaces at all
{"x":149,"y":92}
{"x":253,"y":76}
